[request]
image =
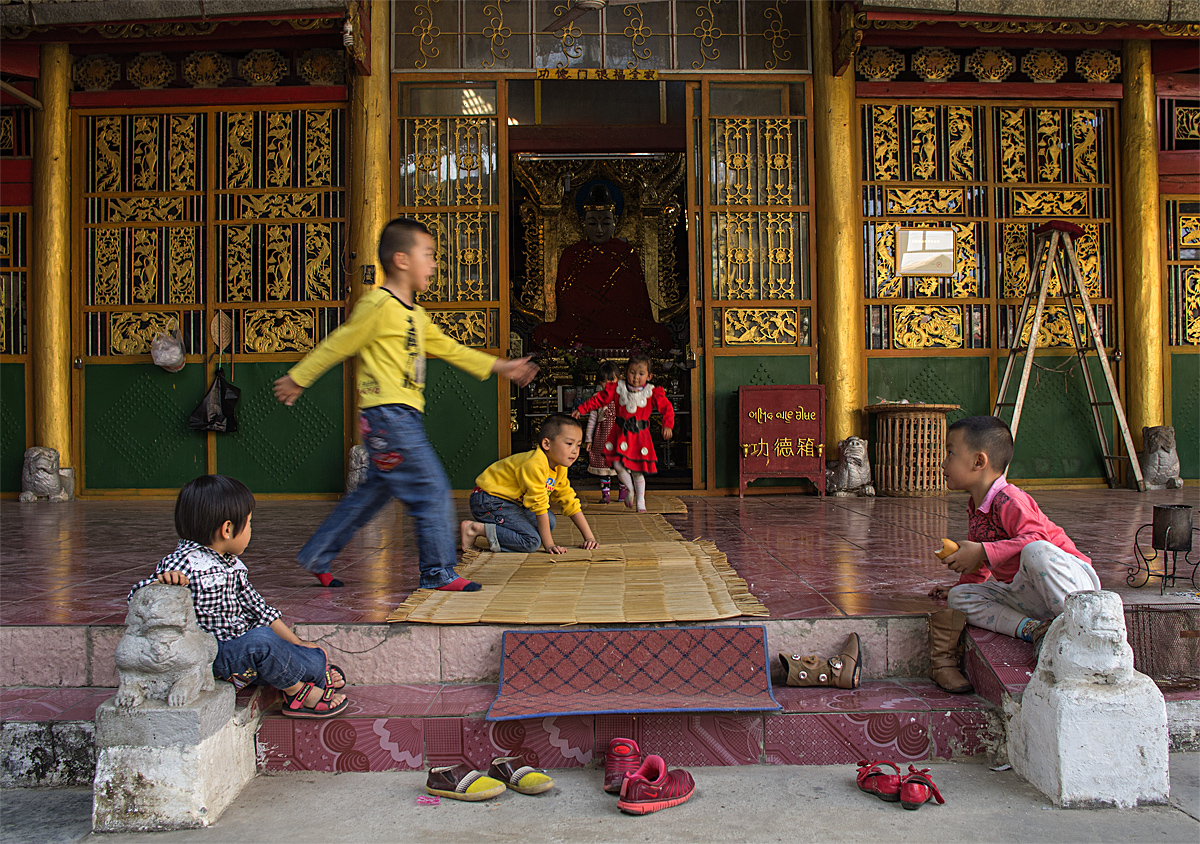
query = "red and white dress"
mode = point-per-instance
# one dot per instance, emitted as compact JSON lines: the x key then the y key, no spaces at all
{"x":629,"y":440}
{"x":600,"y":423}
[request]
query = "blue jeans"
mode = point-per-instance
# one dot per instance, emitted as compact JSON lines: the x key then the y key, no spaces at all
{"x":403,"y":465}
{"x":509,"y":526}
{"x":276,"y":662}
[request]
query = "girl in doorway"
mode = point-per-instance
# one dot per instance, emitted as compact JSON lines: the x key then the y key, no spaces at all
{"x":629,"y":449}
{"x":599,"y":424}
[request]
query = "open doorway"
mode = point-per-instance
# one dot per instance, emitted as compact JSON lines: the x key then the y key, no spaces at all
{"x":599,"y":250}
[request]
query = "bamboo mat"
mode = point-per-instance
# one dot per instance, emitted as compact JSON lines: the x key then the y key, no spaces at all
{"x":611,"y":529}
{"x":654,"y":504}
{"x":637,"y":582}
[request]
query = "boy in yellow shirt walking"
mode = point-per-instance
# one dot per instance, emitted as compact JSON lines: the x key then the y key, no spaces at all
{"x":511,"y":501}
{"x":391,"y":335}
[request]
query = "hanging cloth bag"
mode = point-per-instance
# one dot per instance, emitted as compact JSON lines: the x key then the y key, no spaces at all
{"x":216,"y":412}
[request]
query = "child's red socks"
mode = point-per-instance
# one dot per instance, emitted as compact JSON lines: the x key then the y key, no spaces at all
{"x":460,"y":584}
{"x":328,"y":579}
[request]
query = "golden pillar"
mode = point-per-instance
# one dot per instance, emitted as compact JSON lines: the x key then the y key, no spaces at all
{"x":1144,"y":327}
{"x":369,"y":151}
{"x":840,"y":334}
{"x":50,"y":281}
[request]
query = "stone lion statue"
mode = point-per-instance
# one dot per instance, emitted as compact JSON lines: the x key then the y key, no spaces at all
{"x":850,"y":474}
{"x":164,"y":655}
{"x":1087,"y":644}
{"x":1159,"y":459}
{"x":41,"y":477}
{"x":360,"y":459}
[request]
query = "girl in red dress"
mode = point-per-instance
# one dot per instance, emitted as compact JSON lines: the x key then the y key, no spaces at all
{"x":628,"y":449}
{"x":599,"y":424}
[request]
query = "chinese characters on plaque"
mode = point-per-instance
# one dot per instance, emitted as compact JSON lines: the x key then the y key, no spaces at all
{"x":781,"y":434}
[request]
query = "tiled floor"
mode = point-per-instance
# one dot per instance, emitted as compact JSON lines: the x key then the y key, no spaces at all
{"x":804,"y":557}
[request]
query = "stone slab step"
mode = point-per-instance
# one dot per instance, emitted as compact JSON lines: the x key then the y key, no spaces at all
{"x":412,"y":727}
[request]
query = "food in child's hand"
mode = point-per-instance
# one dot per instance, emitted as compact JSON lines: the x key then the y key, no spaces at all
{"x":949,"y":546}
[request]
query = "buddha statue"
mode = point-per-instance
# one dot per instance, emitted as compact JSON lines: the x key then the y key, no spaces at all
{"x":600,"y":291}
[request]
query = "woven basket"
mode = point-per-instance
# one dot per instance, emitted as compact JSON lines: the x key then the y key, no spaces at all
{"x":909,"y":447}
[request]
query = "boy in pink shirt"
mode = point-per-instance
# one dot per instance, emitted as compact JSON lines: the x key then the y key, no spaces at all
{"x":1016,"y":567}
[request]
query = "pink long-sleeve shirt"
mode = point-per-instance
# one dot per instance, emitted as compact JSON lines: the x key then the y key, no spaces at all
{"x":1005,"y":522}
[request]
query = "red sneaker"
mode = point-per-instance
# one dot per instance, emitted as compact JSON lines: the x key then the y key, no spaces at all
{"x":653,"y":787}
{"x":623,"y":758}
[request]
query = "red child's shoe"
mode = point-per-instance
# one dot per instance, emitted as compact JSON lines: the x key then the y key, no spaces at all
{"x":623,"y":758}
{"x":652,"y":787}
{"x":874,"y":780}
{"x":917,"y":789}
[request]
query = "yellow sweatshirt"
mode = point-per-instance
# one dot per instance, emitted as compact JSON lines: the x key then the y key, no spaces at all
{"x":391,"y":341}
{"x":527,"y":477}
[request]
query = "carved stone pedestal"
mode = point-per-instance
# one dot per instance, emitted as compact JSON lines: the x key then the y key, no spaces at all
{"x":1091,"y":731}
{"x":163,"y":767}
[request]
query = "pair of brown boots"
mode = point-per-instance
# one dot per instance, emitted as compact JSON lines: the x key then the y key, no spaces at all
{"x":945,"y":637}
{"x":843,"y":671}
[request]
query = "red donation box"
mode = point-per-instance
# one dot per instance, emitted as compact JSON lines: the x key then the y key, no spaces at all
{"x":781,"y":434}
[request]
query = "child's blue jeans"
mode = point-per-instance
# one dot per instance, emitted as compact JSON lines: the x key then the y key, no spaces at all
{"x":403,"y":465}
{"x":276,"y":662}
{"x":509,"y":526}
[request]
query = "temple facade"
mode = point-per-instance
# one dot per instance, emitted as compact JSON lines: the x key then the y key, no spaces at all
{"x":220,"y":173}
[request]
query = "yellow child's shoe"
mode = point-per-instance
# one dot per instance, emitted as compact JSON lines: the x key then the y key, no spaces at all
{"x":512,"y":771}
{"x":458,"y":782}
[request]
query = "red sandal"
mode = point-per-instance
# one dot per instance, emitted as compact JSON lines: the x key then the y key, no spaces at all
{"x":917,"y":789}
{"x":293,"y":705}
{"x":874,"y":780}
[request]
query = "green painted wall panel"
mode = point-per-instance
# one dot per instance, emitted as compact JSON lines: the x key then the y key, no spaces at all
{"x":1185,"y":411}
{"x":281,"y":449}
{"x":135,"y":433}
{"x":12,"y":425}
{"x":460,"y":417}
{"x":729,"y":373}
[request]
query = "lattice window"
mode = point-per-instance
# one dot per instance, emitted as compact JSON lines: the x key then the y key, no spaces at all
{"x":1182,"y":271}
{"x":448,"y":140}
{"x":989,"y":174}
{"x":692,"y":35}
{"x":268,"y":260}
{"x":14,"y":277}
{"x":1178,"y":125}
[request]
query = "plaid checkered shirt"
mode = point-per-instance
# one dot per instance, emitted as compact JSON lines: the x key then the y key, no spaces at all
{"x":226,"y":604}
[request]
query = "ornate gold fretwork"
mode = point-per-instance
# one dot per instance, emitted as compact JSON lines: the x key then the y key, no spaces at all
{"x":964,"y":284}
{"x":1050,"y":203}
{"x":239,"y":156}
{"x":990,"y":64}
{"x":927,"y":327}
{"x":1191,"y":305}
{"x":1016,"y":246}
{"x":1044,"y":65}
{"x":1098,"y":65}
{"x":467,"y":327}
{"x":888,"y":283}
{"x":426,"y":32}
{"x":237,"y":264}
{"x":146,"y":209}
{"x":279,"y":262}
{"x":131,"y":333}
{"x":7,"y":137}
{"x":263,"y":67}
{"x":755,"y":256}
{"x":150,"y":70}
{"x":1013,"y":156}
{"x":183,"y":152}
{"x":269,"y":205}
{"x":1015,"y":277}
{"x":181,"y":264}
{"x":777,"y":36}
{"x":923,"y":132}
{"x":935,"y":64}
{"x":318,"y":262}
{"x":962,"y":143}
{"x":758,"y":161}
{"x":107,"y":162}
{"x":106,"y":287}
{"x":145,"y":153}
{"x":150,"y":30}
{"x":708,"y":33}
{"x":1083,"y":145}
{"x":145,"y":265}
{"x":880,"y":64}
{"x":886,"y":146}
{"x":1189,"y":231}
{"x":1187,"y":123}
{"x":267,"y":331}
{"x":1055,"y":329}
{"x":95,"y":72}
{"x":206,"y":69}
{"x":279,"y":149}
{"x":496,"y":32}
{"x":939,"y":201}
{"x":759,"y":326}
{"x":1049,"y":144}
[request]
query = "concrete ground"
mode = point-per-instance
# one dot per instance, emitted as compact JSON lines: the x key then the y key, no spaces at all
{"x":755,"y":803}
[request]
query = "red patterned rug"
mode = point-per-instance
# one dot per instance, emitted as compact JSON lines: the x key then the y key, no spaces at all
{"x":663,"y":669}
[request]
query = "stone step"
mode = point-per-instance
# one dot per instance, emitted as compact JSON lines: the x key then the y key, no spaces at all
{"x":82,"y":655}
{"x":412,"y":727}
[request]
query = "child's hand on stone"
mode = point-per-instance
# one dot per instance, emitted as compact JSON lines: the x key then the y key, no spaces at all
{"x":968,"y":558}
{"x":173,"y":578}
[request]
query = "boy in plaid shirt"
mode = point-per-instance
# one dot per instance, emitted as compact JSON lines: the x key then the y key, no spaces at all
{"x":212,"y":518}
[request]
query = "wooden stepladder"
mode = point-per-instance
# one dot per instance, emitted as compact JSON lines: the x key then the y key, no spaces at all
{"x":1054,"y":245}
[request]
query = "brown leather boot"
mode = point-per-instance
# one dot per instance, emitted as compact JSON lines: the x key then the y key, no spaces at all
{"x":843,"y":671}
{"x":945,"y":631}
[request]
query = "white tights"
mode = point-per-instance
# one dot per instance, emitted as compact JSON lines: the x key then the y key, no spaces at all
{"x":634,"y":483}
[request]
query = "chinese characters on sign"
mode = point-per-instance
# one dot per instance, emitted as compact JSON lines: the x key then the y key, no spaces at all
{"x":781,"y":433}
{"x":607,"y":74}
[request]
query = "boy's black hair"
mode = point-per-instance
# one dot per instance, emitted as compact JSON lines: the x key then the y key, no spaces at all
{"x":553,"y":425}
{"x":398,"y":236}
{"x":988,"y":434}
{"x":608,"y":371}
{"x":635,"y":359}
{"x":207,"y":503}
